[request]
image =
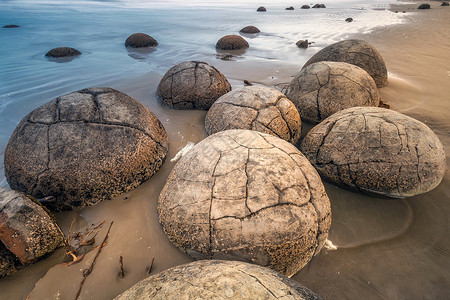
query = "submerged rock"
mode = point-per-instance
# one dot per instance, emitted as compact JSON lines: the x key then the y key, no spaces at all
{"x":261,"y":8}
{"x":27,"y":232}
{"x":302,"y":44}
{"x":249,"y":29}
{"x":349,"y":20}
{"x":255,"y":108}
{"x":62,"y":52}
{"x":289,"y":8}
{"x":216,"y":279}
{"x":376,"y":150}
{"x":246,"y":195}
{"x":319,"y":6}
{"x":192,"y":85}
{"x":11,"y":26}
{"x":305,"y":6}
{"x":445,"y":4}
{"x":231,"y":42}
{"x":424,"y":6}
{"x":84,"y":147}
{"x":140,"y":40}
{"x":324,"y":88}
{"x":356,"y":52}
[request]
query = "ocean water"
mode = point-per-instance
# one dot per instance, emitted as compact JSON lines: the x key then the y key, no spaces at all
{"x":185,"y":30}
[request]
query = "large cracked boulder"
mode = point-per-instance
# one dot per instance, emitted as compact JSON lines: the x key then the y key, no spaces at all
{"x":192,"y":85}
{"x":376,"y":150}
{"x":84,"y":147}
{"x":232,"y":42}
{"x":323,"y":88}
{"x":355,"y":52}
{"x":216,"y":279}
{"x":249,"y":196}
{"x":27,"y":232}
{"x":255,"y":108}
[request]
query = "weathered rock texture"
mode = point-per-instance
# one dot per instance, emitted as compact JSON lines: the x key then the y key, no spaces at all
{"x":289,"y":8}
{"x":261,"y":8}
{"x":27,"y":232}
{"x":216,"y":279}
{"x":326,"y":87}
{"x":356,"y":52}
{"x":232,"y":42}
{"x":139,"y":40}
{"x":85,"y":147}
{"x":246,"y":195}
{"x":255,"y":108}
{"x":376,"y":150}
{"x":305,"y":6}
{"x":62,"y":52}
{"x":250,"y":29}
{"x":302,"y":44}
{"x":192,"y":85}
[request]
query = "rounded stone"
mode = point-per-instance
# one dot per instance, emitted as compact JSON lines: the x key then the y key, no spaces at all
{"x":139,"y":40}
{"x":376,"y":150}
{"x":62,"y":52}
{"x":232,"y":42}
{"x":192,"y":85}
{"x":289,"y":8}
{"x":261,"y":8}
{"x":11,"y":26}
{"x":305,"y":6}
{"x":424,"y":6}
{"x":84,"y":147}
{"x":355,"y":52}
{"x":248,"y":196}
{"x":217,"y":279}
{"x":250,"y":29}
{"x":255,"y":108}
{"x":324,"y":88}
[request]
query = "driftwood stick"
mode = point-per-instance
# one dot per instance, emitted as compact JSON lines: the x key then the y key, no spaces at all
{"x":122,"y":273}
{"x":151,"y":266}
{"x":86,"y":272}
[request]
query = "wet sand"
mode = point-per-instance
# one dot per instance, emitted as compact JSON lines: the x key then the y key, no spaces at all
{"x":387,"y":248}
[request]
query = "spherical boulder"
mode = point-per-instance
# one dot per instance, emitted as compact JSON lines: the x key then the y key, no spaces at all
{"x":217,"y":279}
{"x":249,"y":196}
{"x":255,"y":108}
{"x":326,"y":87}
{"x":232,"y":42}
{"x":62,"y":52}
{"x":349,"y":20}
{"x":376,"y":150}
{"x":261,"y":8}
{"x":84,"y":147}
{"x":192,"y":85}
{"x":356,"y":52}
{"x":140,"y":40}
{"x":305,"y":6}
{"x":424,"y":6}
{"x":27,"y":231}
{"x":250,"y":29}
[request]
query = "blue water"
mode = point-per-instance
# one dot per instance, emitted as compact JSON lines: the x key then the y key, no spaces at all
{"x":184,"y":30}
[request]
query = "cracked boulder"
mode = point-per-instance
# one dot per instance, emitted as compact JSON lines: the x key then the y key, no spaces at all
{"x":248,"y":196}
{"x":232,"y":42}
{"x":84,"y":147}
{"x":255,"y":108}
{"x":140,"y":40}
{"x":376,"y":150}
{"x":323,"y":88}
{"x":27,"y":232}
{"x":355,"y":52}
{"x":192,"y":85}
{"x":216,"y":279}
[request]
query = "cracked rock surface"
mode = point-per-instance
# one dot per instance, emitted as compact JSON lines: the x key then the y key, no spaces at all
{"x":217,"y":279}
{"x":27,"y":232}
{"x":323,"y":88}
{"x":84,"y":147}
{"x":255,"y":108}
{"x":232,"y":42}
{"x":139,"y":40}
{"x":355,"y":52}
{"x":376,"y":150}
{"x":192,"y":85}
{"x":249,"y":196}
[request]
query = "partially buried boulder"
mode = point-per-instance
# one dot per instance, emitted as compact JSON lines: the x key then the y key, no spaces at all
{"x":62,"y":52}
{"x":424,"y":6}
{"x":445,"y":4}
{"x":319,"y":6}
{"x":249,"y":29}
{"x":349,"y":20}
{"x":231,"y":42}
{"x":255,"y":108}
{"x":192,"y":85}
{"x":289,"y":8}
{"x":140,"y":40}
{"x":302,"y":44}
{"x":84,"y":147}
{"x":305,"y":6}
{"x":376,"y":150}
{"x":215,"y":279}
{"x":326,"y":87}
{"x":356,"y":52}
{"x":27,"y":232}
{"x":11,"y":26}
{"x":249,"y":196}
{"x":261,"y":8}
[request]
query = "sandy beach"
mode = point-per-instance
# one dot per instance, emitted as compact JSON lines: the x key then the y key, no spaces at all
{"x":386,"y":248}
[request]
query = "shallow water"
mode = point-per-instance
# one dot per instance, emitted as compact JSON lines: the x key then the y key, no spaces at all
{"x":384,"y":245}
